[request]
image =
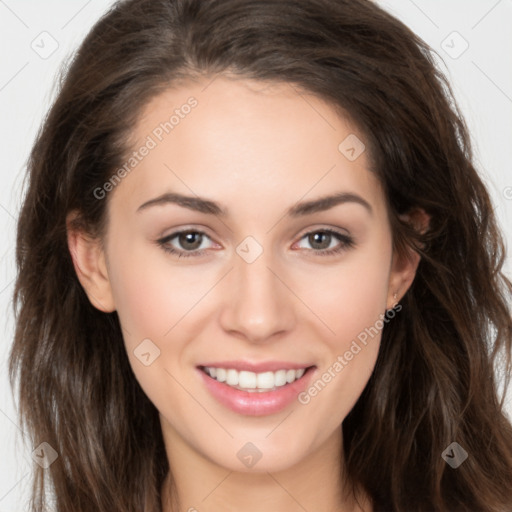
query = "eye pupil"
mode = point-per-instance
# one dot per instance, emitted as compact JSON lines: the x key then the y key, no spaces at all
{"x":190,"y":240}
{"x":320,"y":238}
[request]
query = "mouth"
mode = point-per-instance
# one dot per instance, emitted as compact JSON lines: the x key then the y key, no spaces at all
{"x":255,"y":382}
{"x":255,"y":389}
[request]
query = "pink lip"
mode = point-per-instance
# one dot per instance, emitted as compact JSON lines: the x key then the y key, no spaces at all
{"x":256,"y":403}
{"x":268,"y":366}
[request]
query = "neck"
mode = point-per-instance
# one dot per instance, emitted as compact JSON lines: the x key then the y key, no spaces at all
{"x":199,"y":485}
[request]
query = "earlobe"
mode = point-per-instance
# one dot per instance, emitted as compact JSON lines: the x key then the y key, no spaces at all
{"x":404,"y":266}
{"x":89,"y":262}
{"x":403,"y":272}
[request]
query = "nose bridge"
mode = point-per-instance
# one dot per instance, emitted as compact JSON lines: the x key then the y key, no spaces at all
{"x":258,"y":304}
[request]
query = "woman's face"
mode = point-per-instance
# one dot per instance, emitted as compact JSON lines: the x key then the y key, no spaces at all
{"x":271,"y":278}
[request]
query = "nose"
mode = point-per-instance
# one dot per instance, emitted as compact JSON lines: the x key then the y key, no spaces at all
{"x":258,"y":304}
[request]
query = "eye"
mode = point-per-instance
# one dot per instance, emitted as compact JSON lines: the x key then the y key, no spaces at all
{"x":326,"y":242}
{"x":190,"y":242}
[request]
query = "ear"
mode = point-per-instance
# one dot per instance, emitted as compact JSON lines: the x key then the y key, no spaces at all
{"x":404,"y":266}
{"x":90,"y":266}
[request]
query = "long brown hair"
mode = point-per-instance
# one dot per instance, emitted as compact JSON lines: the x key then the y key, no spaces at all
{"x":435,"y":378}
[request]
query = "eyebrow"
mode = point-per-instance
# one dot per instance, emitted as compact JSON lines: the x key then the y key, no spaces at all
{"x":211,"y":207}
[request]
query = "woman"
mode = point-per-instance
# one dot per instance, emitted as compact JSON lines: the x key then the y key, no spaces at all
{"x":258,"y":270}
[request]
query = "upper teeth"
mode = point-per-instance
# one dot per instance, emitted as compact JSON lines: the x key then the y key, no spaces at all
{"x":251,"y":381}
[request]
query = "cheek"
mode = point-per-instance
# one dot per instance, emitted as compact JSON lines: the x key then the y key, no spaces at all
{"x":150,"y":296}
{"x":151,"y":300}
{"x":350,"y":297}
{"x":351,"y":303}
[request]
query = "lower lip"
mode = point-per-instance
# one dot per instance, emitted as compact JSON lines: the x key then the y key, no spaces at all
{"x":256,"y":403}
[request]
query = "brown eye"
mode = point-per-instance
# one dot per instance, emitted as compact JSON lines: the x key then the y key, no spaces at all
{"x":190,"y":240}
{"x":185,"y":243}
{"x":327,"y":242}
{"x":320,"y":240}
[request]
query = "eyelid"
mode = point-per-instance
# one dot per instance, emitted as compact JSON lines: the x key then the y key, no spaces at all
{"x":346,"y":241}
{"x":343,"y":236}
{"x":324,"y":227}
{"x":167,"y":238}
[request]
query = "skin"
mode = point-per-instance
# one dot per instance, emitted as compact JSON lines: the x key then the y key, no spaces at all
{"x":257,"y":150}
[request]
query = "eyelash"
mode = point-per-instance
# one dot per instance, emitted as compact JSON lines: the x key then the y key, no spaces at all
{"x":347,"y":242}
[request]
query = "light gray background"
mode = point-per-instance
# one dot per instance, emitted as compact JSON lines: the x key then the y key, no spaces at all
{"x":37,"y":36}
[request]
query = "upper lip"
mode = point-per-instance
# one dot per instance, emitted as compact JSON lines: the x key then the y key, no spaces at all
{"x":263,"y":366}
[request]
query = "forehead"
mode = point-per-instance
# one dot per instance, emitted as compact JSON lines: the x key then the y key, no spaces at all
{"x":240,"y":140}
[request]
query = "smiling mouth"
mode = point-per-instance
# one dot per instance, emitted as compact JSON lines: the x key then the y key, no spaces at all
{"x":255,"y":382}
